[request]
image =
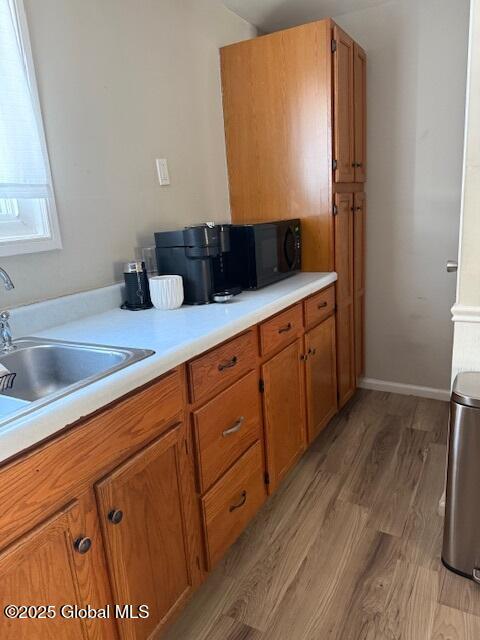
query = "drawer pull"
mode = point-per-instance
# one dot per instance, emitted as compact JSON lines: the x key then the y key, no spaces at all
{"x":286,"y":328}
{"x":229,"y":364}
{"x":241,"y":502}
{"x":322,"y":305}
{"x":234,"y":428}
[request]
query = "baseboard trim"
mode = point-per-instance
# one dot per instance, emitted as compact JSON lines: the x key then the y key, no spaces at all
{"x":465,"y":313}
{"x":404,"y":389}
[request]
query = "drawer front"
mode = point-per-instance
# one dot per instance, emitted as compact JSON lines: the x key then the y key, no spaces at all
{"x":232,"y":502}
{"x":226,"y":427}
{"x":319,"y":306}
{"x":281,"y":329}
{"x":222,"y":365}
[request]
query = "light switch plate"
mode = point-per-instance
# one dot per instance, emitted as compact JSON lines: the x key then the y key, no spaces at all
{"x":162,"y":170}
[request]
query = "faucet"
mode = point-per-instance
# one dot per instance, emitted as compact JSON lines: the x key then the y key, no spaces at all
{"x":5,"y":330}
{"x":7,"y":281}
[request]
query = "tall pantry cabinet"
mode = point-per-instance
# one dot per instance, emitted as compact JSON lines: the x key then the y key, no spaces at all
{"x":295,"y":126}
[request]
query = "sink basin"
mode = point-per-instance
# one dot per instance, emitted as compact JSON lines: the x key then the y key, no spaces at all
{"x":49,"y":369}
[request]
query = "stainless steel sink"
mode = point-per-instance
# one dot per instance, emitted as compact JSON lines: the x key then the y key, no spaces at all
{"x":47,"y":370}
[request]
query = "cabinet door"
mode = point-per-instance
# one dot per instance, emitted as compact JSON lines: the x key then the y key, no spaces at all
{"x":343,"y":107}
{"x":345,"y":296}
{"x":284,"y":411}
{"x":321,"y":376}
{"x":49,"y":566}
{"x":359,"y":281}
{"x":360,"y":110}
{"x":145,"y":518}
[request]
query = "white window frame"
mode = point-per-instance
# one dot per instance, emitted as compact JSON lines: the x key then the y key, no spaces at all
{"x":52,"y":238}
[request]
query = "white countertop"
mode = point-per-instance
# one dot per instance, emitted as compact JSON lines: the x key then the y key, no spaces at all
{"x":175,"y":336}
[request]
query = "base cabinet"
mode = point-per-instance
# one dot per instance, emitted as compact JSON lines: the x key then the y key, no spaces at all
{"x":108,"y":514}
{"x":143,"y":507}
{"x":284,"y":414}
{"x":321,"y":376}
{"x":55,"y":567}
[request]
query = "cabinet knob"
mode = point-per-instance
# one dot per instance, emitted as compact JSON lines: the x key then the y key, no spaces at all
{"x":322,"y":305}
{"x":115,"y":516}
{"x":82,"y":545}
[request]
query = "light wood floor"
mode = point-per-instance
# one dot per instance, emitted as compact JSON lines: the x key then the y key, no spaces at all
{"x":349,"y":547}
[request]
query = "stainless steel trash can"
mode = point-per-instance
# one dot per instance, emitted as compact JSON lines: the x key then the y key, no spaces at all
{"x":461,"y":539}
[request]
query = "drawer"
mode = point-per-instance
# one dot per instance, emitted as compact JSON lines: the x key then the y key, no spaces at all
{"x":319,"y":306}
{"x":281,"y":329}
{"x":226,"y":427}
{"x":232,"y":502}
{"x":222,"y":365}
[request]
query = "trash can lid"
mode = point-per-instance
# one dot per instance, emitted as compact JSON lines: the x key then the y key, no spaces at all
{"x":466,"y":389}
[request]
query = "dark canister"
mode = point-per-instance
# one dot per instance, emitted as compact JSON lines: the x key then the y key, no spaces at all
{"x":136,"y":286}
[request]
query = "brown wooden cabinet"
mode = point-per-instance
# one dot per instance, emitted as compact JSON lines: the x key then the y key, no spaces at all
{"x":343,"y":107}
{"x":359,"y":281}
{"x":277,"y":105}
{"x":295,"y":128}
{"x":321,"y":376}
{"x":284,"y":411}
{"x":145,"y":514}
{"x":59,"y":563}
{"x":360,"y":112}
{"x":349,"y":109}
{"x":345,"y":296}
{"x":107,"y":512}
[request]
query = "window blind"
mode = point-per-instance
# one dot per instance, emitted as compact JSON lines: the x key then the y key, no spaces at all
{"x":23,"y":168}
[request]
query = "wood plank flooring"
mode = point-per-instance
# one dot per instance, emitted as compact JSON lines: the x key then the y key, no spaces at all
{"x":349,"y":546}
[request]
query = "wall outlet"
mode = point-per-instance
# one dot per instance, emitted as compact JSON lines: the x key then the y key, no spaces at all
{"x":162,"y":171}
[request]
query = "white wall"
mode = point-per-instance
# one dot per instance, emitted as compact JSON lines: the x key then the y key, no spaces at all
{"x":416,"y":94}
{"x":123,"y":82}
{"x":466,"y":349}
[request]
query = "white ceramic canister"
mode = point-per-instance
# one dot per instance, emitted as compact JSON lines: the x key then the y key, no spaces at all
{"x":166,"y":292}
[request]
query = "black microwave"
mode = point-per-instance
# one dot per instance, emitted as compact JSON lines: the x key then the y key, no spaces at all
{"x":261,"y":254}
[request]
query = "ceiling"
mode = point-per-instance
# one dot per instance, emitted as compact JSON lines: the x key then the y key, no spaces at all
{"x":272,"y":15}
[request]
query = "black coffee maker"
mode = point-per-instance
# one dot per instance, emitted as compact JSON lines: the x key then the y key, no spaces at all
{"x":200,"y":255}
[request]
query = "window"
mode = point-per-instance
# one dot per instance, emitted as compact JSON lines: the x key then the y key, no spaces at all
{"x":28,"y":216}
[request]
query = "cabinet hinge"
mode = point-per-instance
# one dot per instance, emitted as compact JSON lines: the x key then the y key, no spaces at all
{"x":334,"y":46}
{"x":334,"y":209}
{"x":334,"y":165}
{"x":261,"y":385}
{"x":267,"y":478}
